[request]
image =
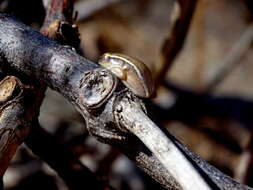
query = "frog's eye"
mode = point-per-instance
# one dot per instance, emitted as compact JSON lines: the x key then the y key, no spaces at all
{"x":106,"y":57}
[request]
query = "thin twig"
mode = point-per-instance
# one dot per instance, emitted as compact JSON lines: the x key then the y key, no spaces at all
{"x":171,"y":47}
{"x":232,"y":59}
{"x":205,"y":105}
{"x":199,"y":40}
{"x":89,"y":7}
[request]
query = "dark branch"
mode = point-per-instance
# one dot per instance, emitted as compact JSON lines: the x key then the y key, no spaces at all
{"x":58,"y":10}
{"x":232,"y":60}
{"x":222,"y":107}
{"x":75,"y":175}
{"x":171,"y":47}
{"x":61,"y":159}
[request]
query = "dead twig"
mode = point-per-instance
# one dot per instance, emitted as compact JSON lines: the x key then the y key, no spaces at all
{"x":88,"y":8}
{"x":183,"y":12}
{"x":232,"y":59}
{"x":58,"y":156}
{"x":199,"y":40}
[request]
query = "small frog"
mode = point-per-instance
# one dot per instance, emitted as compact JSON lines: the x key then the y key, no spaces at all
{"x":132,"y":72}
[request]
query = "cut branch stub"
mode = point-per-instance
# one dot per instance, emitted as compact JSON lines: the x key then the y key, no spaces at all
{"x":85,"y":84}
{"x":97,"y":86}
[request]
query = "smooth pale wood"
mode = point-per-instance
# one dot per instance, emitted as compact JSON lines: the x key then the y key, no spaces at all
{"x":162,"y":147}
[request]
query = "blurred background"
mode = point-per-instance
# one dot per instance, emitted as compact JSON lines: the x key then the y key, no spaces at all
{"x":206,"y":101}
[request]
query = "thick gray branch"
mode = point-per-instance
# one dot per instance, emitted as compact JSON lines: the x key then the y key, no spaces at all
{"x":37,"y":56}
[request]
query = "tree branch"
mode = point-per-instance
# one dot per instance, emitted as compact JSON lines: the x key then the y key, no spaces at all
{"x":105,"y":104}
{"x":61,"y":159}
{"x":58,"y":10}
{"x":205,"y":105}
{"x":183,"y":13}
{"x":232,"y":59}
{"x":56,"y":155}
